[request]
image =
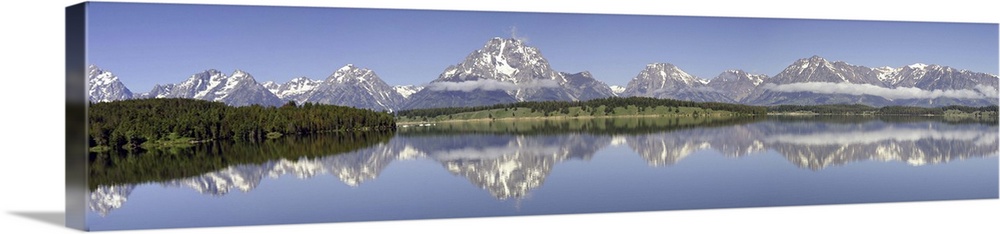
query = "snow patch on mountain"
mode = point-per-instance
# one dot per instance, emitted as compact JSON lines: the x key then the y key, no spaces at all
{"x":617,"y":89}
{"x":490,"y":85}
{"x":296,"y":89}
{"x":407,"y":90}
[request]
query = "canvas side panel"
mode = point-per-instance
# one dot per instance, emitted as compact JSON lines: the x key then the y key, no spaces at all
{"x":76,"y":116}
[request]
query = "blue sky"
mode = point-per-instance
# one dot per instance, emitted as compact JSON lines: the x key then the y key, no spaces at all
{"x":145,"y":44}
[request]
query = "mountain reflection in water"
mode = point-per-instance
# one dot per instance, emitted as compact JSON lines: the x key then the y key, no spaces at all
{"x":508,"y":161}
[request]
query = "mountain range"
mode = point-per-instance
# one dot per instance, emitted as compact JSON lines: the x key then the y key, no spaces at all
{"x":508,"y":70}
{"x":238,"y":89}
{"x":815,"y":80}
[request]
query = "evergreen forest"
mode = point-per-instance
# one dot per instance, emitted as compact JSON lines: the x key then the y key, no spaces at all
{"x":163,"y":122}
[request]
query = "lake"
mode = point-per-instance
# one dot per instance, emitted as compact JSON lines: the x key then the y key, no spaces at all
{"x":503,"y":168}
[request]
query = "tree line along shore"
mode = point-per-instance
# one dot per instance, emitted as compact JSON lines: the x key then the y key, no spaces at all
{"x":172,"y":122}
{"x":651,"y":107}
{"x":176,"y":122}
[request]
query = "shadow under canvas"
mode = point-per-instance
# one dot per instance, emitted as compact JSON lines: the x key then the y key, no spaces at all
{"x":50,"y":217}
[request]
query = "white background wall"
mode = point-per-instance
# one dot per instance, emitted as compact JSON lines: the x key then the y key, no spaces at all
{"x":31,"y":46}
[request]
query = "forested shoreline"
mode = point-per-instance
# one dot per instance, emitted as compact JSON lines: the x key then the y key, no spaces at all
{"x":149,"y":123}
{"x":642,"y":106}
{"x":170,"y":122}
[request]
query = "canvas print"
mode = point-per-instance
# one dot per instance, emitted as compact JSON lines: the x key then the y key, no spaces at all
{"x":220,"y":115}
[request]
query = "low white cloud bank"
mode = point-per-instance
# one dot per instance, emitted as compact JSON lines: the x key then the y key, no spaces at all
{"x":980,"y":92}
{"x":490,"y":85}
{"x":988,"y":91}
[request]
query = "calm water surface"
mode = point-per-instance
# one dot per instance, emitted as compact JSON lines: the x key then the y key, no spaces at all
{"x":547,"y":167}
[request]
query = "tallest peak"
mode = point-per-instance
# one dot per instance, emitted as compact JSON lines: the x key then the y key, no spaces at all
{"x":349,"y":66}
{"x":917,"y":66}
{"x":501,"y":40}
{"x":815,"y":59}
{"x":660,"y":66}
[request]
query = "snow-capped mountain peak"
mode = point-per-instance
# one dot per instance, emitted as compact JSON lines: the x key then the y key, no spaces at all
{"x":500,"y":49}
{"x":100,"y":77}
{"x":238,"y":77}
{"x":344,"y":71}
{"x":811,"y":64}
{"x":816,"y":62}
{"x":665,"y":71}
{"x":104,"y":86}
{"x":504,"y":70}
{"x":736,"y":75}
{"x":201,"y":84}
{"x":816,"y":59}
{"x":346,"y":67}
{"x":240,"y":73}
{"x":354,"y":86}
{"x":737,"y":84}
{"x":665,"y":80}
{"x":503,"y":59}
{"x":352,"y":74}
{"x":818,"y":69}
